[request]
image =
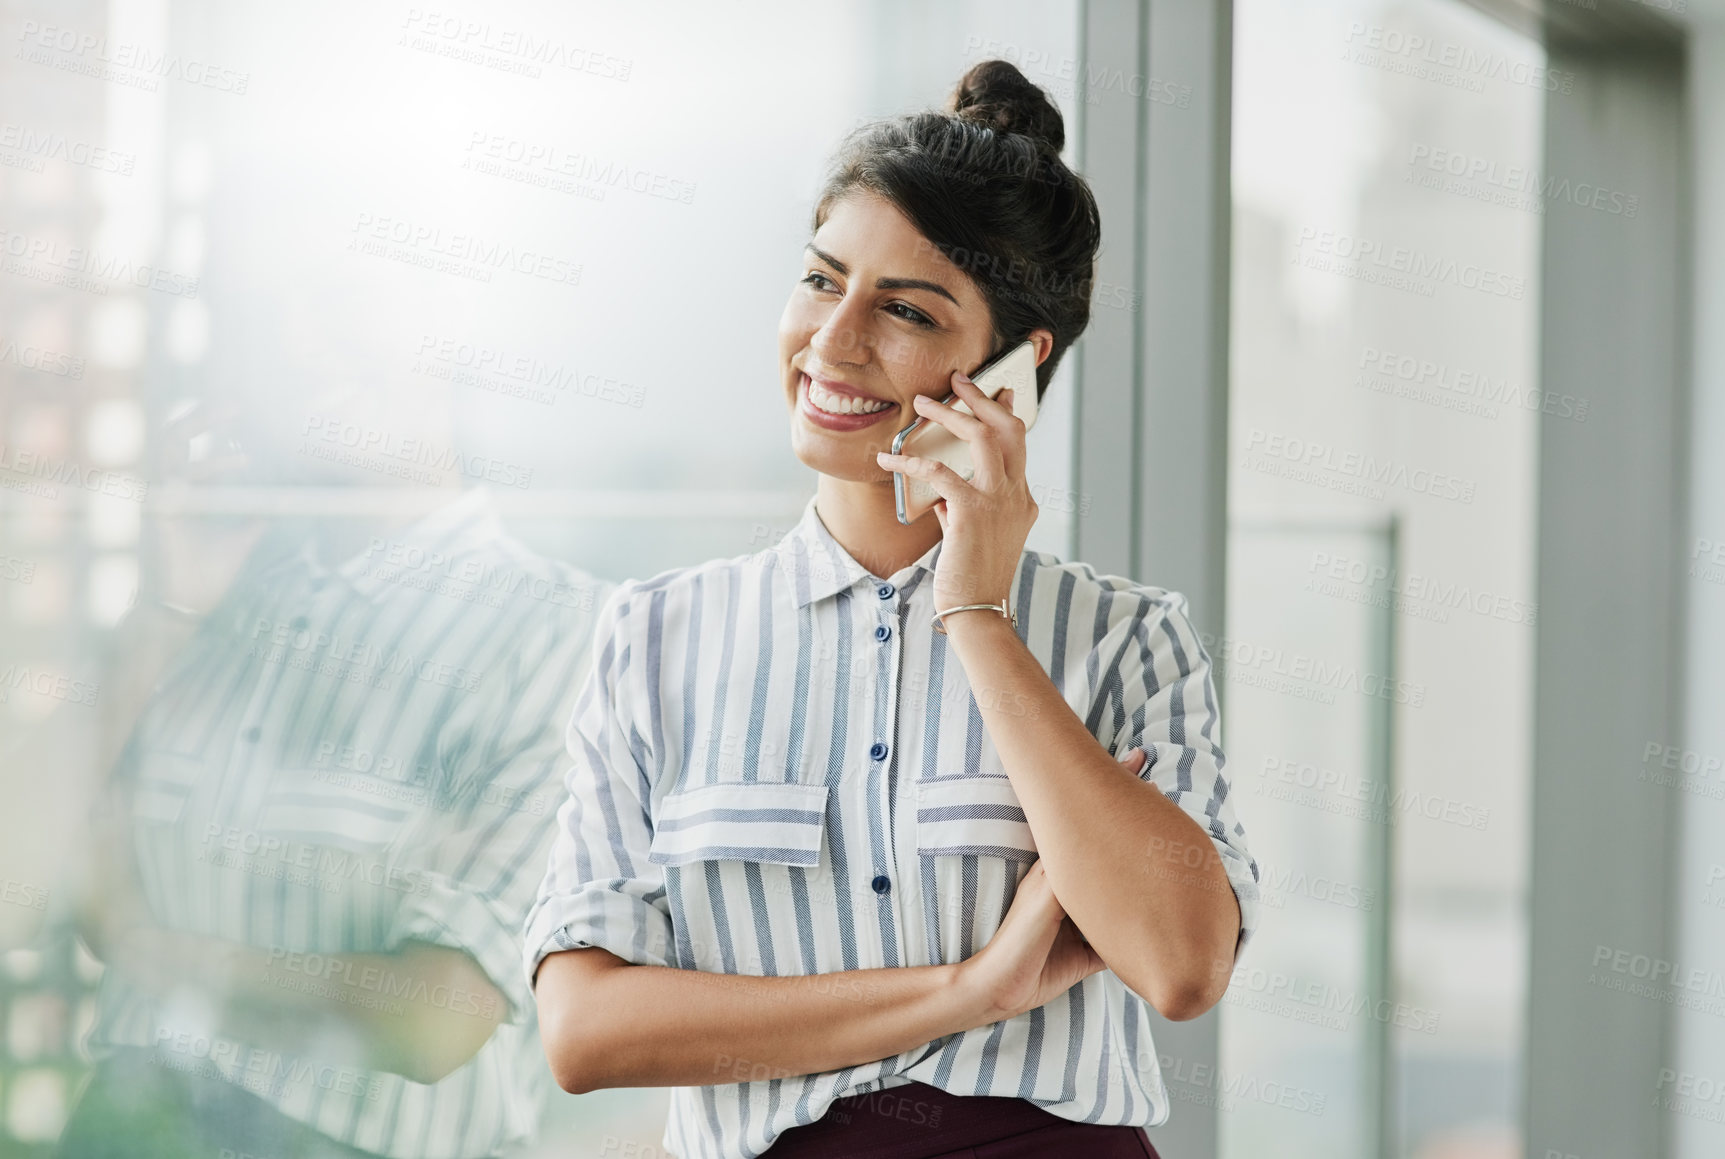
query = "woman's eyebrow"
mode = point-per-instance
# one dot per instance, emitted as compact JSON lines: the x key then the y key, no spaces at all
{"x":885,"y":283}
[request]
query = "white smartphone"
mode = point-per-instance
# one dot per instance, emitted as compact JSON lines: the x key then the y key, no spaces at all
{"x":1014,"y":367}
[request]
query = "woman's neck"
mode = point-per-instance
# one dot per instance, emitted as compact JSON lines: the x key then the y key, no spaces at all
{"x":863,"y":517}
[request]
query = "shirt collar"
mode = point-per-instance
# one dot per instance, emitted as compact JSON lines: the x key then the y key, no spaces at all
{"x":818,"y":566}
{"x":447,"y":533}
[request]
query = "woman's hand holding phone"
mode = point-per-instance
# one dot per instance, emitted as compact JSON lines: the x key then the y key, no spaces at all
{"x":986,"y":519}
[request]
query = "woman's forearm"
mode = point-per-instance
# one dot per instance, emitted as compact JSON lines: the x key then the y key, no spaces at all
{"x":1136,"y":873}
{"x":421,"y":1012}
{"x":608,"y":1023}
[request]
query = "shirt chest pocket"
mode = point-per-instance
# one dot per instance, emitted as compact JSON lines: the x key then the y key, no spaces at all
{"x":977,"y":816}
{"x":161,"y":784}
{"x":352,"y":812}
{"x":755,"y":821}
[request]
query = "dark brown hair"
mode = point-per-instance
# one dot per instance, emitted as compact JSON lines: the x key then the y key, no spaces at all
{"x":984,"y":183}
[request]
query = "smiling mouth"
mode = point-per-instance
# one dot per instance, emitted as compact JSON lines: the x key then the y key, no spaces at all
{"x":841,"y":405}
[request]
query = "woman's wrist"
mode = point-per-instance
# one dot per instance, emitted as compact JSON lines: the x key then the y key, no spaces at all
{"x":977,"y":993}
{"x":991,"y":593}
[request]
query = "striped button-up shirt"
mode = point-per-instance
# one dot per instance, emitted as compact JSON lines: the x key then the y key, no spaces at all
{"x":345,"y":760}
{"x":780,"y":768}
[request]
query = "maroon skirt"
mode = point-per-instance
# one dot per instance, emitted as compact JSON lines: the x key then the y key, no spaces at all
{"x":917,"y":1121}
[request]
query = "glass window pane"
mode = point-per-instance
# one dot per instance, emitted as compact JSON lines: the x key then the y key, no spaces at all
{"x":284,"y":292}
{"x":1387,"y":198}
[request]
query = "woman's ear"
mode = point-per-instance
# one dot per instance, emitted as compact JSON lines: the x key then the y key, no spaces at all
{"x":1044,"y":340}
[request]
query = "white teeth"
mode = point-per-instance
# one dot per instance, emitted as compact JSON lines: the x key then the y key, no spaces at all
{"x":841,"y":404}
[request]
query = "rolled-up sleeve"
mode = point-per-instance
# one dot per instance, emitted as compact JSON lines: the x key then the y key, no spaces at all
{"x":599,"y":888}
{"x":470,"y":876}
{"x":1153,"y":690}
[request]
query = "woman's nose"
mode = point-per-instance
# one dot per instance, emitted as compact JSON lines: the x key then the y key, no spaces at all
{"x":840,"y":339}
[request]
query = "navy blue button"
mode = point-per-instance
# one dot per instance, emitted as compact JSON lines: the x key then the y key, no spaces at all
{"x":881,"y":884}
{"x":883,"y":632}
{"x":252,"y":734}
{"x":877,"y":751}
{"x":299,"y":623}
{"x":885,"y":591}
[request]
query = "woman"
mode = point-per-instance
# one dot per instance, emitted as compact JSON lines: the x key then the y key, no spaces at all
{"x":852,"y":885}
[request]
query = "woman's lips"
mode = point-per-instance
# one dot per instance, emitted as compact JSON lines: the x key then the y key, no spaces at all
{"x":834,"y":422}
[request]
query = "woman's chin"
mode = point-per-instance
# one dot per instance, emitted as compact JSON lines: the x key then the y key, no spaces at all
{"x":848,"y":463}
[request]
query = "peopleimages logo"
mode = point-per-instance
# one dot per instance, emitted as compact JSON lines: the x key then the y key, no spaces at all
{"x":1062,"y":75}
{"x":54,"y":685}
{"x":1399,"y":266}
{"x":1236,"y":659}
{"x":1309,"y":455}
{"x":304,"y":863}
{"x":373,"y":981}
{"x":1688,"y":1093}
{"x":1412,"y":592}
{"x":1641,"y":975}
{"x":394,"y":454}
{"x":1310,"y":461}
{"x":505,"y":371}
{"x":41,"y":360}
{"x":1517,"y":186}
{"x":123,"y":62}
{"x":1387,"y":803}
{"x":42,"y":258}
{"x":516,"y":50}
{"x":352,"y":657}
{"x":470,"y":577}
{"x":1278,"y":884}
{"x":41,"y":144}
{"x":542,"y":163}
{"x":23,"y":894}
{"x":1422,"y":56}
{"x":1459,"y":388}
{"x":465,"y":254}
{"x":1227,"y":1086}
{"x":1707,"y":561}
{"x":255,"y":1068}
{"x":1320,"y":1003}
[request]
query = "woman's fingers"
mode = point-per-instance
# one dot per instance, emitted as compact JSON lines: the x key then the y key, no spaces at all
{"x":1006,"y":429}
{"x":942,"y":478}
{"x":1047,"y":906}
{"x":1038,"y":953}
{"x":987,"y":439}
{"x":964,"y":426}
{"x":995,"y":412}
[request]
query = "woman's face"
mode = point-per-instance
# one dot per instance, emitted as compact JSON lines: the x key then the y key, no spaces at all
{"x":879,"y":316}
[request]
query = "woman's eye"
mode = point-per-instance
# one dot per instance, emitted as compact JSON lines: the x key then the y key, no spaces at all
{"x":911,"y":314}
{"x":816,"y":280}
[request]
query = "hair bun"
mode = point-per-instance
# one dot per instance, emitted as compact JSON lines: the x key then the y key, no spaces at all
{"x":996,"y":94}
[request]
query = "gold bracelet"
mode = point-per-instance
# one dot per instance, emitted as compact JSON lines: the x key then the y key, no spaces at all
{"x":1000,"y":607}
